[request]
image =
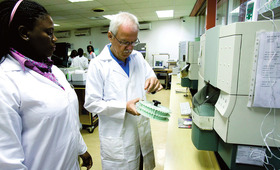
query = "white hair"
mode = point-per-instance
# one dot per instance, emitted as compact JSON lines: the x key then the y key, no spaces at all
{"x":123,"y":18}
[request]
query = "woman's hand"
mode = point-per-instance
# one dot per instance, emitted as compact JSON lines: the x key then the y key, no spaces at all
{"x":87,"y":160}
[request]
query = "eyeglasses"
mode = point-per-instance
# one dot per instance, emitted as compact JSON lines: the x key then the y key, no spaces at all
{"x":126,"y":43}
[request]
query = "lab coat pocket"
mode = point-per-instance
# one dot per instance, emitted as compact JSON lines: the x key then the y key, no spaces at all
{"x":112,"y":148}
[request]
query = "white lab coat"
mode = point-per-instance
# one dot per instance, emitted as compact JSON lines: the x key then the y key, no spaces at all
{"x":91,"y":55}
{"x":39,"y":122}
{"x":81,"y":62}
{"x":121,"y":134}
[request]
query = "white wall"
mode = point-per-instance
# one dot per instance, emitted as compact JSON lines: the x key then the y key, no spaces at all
{"x":96,"y":39}
{"x":164,"y":37}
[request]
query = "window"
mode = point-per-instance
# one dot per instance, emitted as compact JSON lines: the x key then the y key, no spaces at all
{"x":222,"y":11}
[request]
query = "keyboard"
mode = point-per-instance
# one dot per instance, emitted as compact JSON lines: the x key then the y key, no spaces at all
{"x":185,"y":108}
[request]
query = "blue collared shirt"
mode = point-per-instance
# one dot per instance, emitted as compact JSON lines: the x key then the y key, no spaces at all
{"x":124,"y":65}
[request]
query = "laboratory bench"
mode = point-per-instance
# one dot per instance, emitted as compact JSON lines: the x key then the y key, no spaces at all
{"x":163,"y":74}
{"x":180,"y":151}
{"x":88,"y":120}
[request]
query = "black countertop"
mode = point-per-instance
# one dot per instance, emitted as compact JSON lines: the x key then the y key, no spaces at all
{"x":78,"y":83}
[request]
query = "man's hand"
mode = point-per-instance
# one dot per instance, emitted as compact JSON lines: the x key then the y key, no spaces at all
{"x":153,"y":85}
{"x":87,"y":160}
{"x":131,"y":108}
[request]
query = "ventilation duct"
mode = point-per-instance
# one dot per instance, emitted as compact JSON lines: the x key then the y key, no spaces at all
{"x":82,"y":32}
{"x":104,"y":30}
{"x":62,"y":34}
{"x":145,"y":26}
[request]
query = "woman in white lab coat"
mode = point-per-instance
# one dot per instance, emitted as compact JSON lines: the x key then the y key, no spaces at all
{"x":91,"y":54}
{"x":39,"y":123}
{"x":112,"y":93}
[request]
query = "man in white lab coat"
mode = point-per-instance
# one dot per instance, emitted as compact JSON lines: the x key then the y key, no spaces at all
{"x":80,"y":61}
{"x":116,"y":80}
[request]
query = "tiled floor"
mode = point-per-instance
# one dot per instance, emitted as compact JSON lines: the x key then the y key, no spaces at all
{"x":159,"y":133}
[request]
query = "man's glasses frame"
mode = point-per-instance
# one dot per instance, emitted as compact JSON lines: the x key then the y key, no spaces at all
{"x":126,"y":43}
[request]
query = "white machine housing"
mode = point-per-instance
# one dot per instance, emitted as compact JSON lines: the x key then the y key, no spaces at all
{"x":208,"y":67}
{"x":193,"y":53}
{"x":211,"y":55}
{"x":235,"y":122}
{"x":201,"y":62}
{"x":160,"y":60}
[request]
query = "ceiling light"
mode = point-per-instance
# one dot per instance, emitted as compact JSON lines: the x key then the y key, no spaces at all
{"x":79,"y":0}
{"x":165,"y":14}
{"x":108,"y":16}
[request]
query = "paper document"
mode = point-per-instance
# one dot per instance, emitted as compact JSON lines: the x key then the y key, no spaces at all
{"x":267,"y":82}
{"x":185,"y":108}
{"x":250,"y":155}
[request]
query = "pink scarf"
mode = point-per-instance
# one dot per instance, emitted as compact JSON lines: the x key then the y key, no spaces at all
{"x":42,"y":68}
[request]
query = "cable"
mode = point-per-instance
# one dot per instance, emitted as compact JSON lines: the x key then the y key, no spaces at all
{"x":271,"y":134}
